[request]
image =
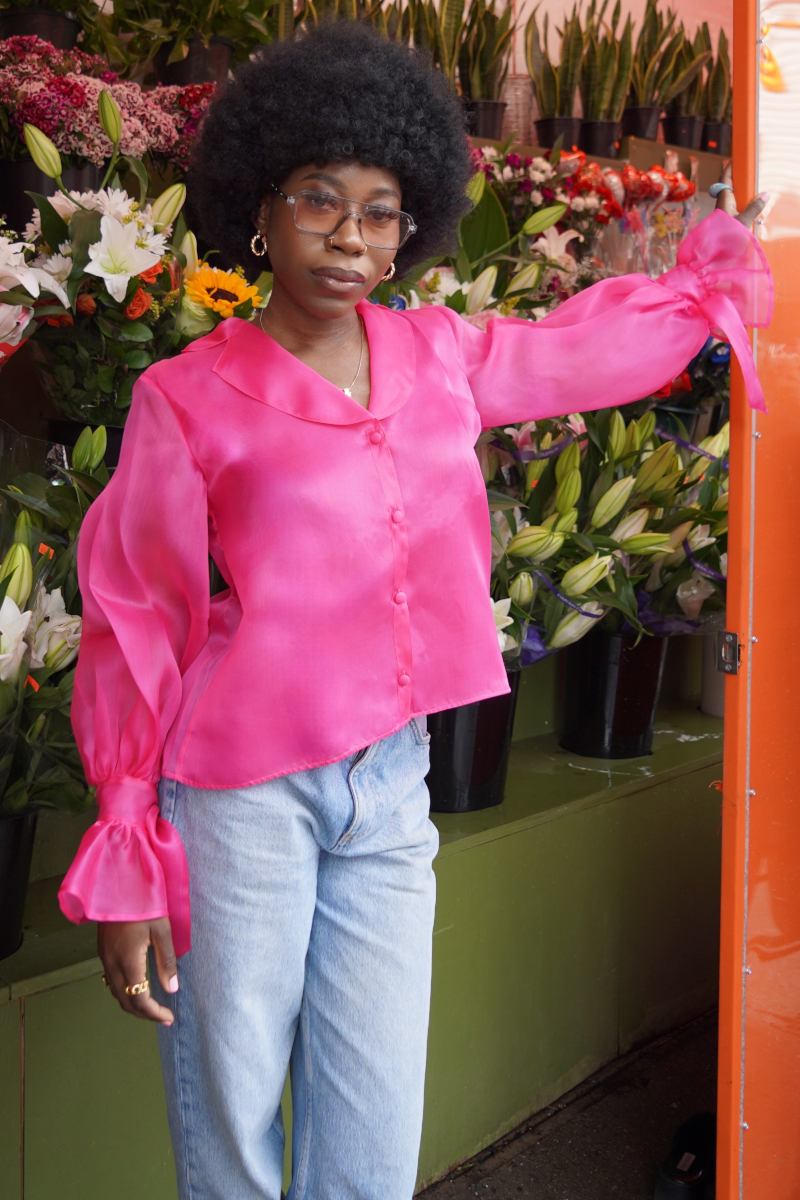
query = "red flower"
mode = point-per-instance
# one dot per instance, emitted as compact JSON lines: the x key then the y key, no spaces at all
{"x":86,"y":305}
{"x":139,"y":304}
{"x":151,"y":274}
{"x":513,"y":160}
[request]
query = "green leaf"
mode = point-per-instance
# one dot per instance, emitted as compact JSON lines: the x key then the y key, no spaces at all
{"x":105,"y":380}
{"x":138,"y":169}
{"x":485,"y":229}
{"x":17,"y":297}
{"x":88,"y":483}
{"x":54,"y":227}
{"x":135,"y":331}
{"x":137,"y":359}
{"x":543,"y":219}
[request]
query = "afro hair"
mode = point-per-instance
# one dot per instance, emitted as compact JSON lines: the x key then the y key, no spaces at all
{"x":336,"y":92}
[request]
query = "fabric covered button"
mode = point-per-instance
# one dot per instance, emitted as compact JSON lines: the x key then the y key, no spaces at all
{"x":403,"y":679}
{"x":399,"y":597}
{"x":376,"y":437}
{"x":397,"y":515}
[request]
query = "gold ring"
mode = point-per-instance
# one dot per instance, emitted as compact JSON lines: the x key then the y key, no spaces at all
{"x":136,"y":989}
{"x":105,"y":981}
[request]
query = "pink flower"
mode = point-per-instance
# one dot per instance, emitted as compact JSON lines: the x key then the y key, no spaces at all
{"x":513,"y":160}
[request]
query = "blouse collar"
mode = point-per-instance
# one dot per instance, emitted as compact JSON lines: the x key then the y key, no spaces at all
{"x":254,"y":363}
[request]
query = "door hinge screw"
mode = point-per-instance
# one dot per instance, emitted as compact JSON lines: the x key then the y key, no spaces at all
{"x":748,"y":970}
{"x":751,"y":791}
{"x":753,"y":639}
{"x":745,"y":1125}
{"x":757,"y":434}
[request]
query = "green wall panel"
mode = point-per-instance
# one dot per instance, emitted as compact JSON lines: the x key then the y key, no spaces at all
{"x":95,"y":1118}
{"x":9,"y":1102}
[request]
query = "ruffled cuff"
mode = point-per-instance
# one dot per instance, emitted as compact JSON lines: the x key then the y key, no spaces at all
{"x":131,"y":864}
{"x":723,"y":271}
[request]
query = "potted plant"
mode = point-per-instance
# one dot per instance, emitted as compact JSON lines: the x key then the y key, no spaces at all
{"x":718,"y":95}
{"x":40,"y":518}
{"x":683,"y":122}
{"x":604,"y":82}
{"x":483,"y":59}
{"x":125,"y":294}
{"x":197,"y":41}
{"x":555,"y":86}
{"x":59,"y":22}
{"x":652,"y":57}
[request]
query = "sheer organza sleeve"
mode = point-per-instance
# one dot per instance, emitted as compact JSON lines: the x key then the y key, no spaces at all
{"x":624,"y":338}
{"x":143,"y":571}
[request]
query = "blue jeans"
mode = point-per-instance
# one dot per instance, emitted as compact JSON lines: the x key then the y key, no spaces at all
{"x":312,"y":917}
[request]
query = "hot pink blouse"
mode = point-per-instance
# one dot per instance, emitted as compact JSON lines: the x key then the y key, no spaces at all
{"x":356,"y":543}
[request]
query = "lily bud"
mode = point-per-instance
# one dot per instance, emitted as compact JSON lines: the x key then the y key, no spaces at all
{"x":535,"y":469}
{"x":567,"y":461}
{"x":188,"y":248}
{"x":675,"y":545}
{"x":42,"y":151}
{"x":646,"y":425}
{"x":568,"y":491}
{"x":99,"y":444}
{"x":166,"y":208}
{"x":616,"y":434}
{"x":572,"y":627}
{"x":645,"y":543}
{"x":522,"y":590}
{"x":631,"y":524}
{"x":82,"y":452}
{"x":721,"y":502}
{"x":567,"y":522}
{"x":612,"y":502}
{"x":17,"y":563}
{"x":23,"y":526}
{"x":110,"y":117}
{"x":654,"y":467}
{"x":536,"y":543}
{"x":60,"y":653}
{"x":480,"y":290}
{"x":584,"y":575}
{"x":526,"y":279}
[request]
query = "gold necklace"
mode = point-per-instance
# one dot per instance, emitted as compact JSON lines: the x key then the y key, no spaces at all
{"x":348,"y":391}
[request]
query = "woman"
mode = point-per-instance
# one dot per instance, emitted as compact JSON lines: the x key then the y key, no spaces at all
{"x":324,"y":457}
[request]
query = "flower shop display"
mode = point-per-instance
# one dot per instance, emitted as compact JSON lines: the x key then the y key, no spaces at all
{"x":554,"y":87}
{"x":683,"y":120}
{"x":40,"y":625}
{"x":483,"y":65}
{"x":604,"y":81}
{"x":101,"y":287}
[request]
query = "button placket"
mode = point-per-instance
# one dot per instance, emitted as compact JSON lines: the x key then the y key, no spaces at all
{"x":398,"y":532}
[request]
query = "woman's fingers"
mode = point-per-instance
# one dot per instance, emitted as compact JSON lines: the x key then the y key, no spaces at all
{"x":123,"y":946}
{"x":161,"y":936}
{"x":727,"y":201}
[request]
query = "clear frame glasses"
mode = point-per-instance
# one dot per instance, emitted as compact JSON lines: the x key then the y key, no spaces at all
{"x":320,"y":212}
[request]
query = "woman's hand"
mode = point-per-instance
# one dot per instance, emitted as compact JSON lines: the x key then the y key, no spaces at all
{"x":122,"y":946}
{"x":727,"y":201}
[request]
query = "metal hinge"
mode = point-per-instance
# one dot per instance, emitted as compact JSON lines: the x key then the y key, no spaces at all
{"x":729,"y":652}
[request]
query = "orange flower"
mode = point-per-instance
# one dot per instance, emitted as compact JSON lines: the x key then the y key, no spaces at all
{"x":62,"y":321}
{"x":139,"y":304}
{"x":151,"y":274}
{"x":86,"y":305}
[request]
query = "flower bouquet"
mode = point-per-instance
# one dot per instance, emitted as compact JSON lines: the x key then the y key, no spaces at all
{"x":596,"y":520}
{"x":108,"y":284}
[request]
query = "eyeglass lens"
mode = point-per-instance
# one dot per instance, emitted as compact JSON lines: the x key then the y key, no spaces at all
{"x":317,"y":212}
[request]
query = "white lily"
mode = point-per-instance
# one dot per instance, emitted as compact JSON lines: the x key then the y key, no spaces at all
{"x":501,"y":532}
{"x":13,"y":625}
{"x":479,"y":295}
{"x":117,"y":256}
{"x":13,"y":319}
{"x":501,"y":621}
{"x":54,"y":634}
{"x":554,"y":246}
{"x":692,"y":593}
{"x":723,"y":564}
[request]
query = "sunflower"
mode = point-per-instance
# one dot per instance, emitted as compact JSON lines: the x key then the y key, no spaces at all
{"x":219,"y":290}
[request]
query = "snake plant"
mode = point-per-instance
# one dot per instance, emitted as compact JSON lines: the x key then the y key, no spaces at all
{"x":656,"y":48}
{"x":718,"y":95}
{"x":485,"y":50}
{"x":606,"y":66}
{"x":554,"y":87}
{"x":684,"y":89}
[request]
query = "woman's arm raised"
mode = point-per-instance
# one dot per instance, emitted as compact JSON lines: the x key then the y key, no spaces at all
{"x":624,"y":338}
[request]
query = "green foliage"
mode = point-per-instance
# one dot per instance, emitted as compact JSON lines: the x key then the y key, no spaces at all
{"x":149,"y":24}
{"x":718,"y":93}
{"x":485,"y":50}
{"x":683,"y":91}
{"x":554,"y":86}
{"x":654,"y":55}
{"x":606,"y":66}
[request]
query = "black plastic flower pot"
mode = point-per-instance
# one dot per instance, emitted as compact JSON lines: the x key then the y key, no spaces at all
{"x":599,"y":137}
{"x":485,"y":118}
{"x":470,"y":746}
{"x":64,"y":432}
{"x":641,"y":121}
{"x":717,"y":137}
{"x":203,"y":64}
{"x":683,"y":131}
{"x":57,"y":28}
{"x":549,"y":129}
{"x":17,"y":178}
{"x":16,"y":850}
{"x":611,"y":690}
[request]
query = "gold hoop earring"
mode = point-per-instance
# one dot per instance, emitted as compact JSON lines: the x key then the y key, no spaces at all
{"x":254,"y":243}
{"x":389,"y":274}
